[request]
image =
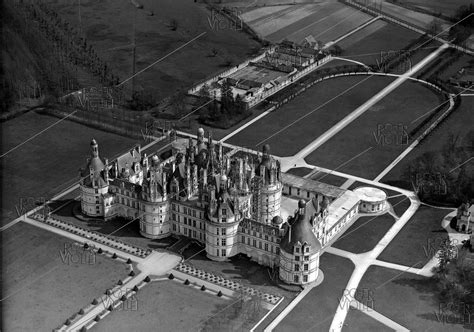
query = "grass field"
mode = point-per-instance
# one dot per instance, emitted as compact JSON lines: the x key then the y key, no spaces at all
{"x":165,"y":306}
{"x":354,"y":149}
{"x":41,"y":288}
{"x":299,"y":171}
{"x":316,"y":310}
{"x":108,"y":26}
{"x":325,"y":21}
{"x":49,"y":163}
{"x":329,"y":178}
{"x":454,"y":124}
{"x":368,"y":48}
{"x":357,"y":320}
{"x":407,"y":299}
{"x":325,"y":114}
{"x":418,"y":240}
{"x":364,"y":234}
{"x":438,"y":6}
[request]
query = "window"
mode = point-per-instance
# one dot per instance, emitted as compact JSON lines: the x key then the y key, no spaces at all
{"x":223,"y":242}
{"x":194,"y":223}
{"x":295,"y":278}
{"x":306,"y":267}
{"x":255,"y":243}
{"x":174,"y":227}
{"x":243,"y":239}
{"x":217,"y":241}
{"x":307,"y":249}
{"x":222,"y":219}
{"x":224,"y":212}
{"x":185,"y":231}
{"x":194,"y":213}
{"x":266,"y":237}
{"x":297,"y":267}
{"x":298,"y":192}
{"x":223,"y":254}
{"x":194,"y":234}
{"x":260,"y":244}
{"x":173,"y":216}
{"x":297,"y":249}
{"x":223,"y":231}
{"x":297,"y":258}
{"x":307,"y":194}
{"x":306,"y":258}
{"x":248,"y":241}
{"x":305,"y":278}
{"x":185,"y":220}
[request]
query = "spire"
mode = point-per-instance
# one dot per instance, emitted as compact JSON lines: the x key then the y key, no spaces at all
{"x":94,"y":148}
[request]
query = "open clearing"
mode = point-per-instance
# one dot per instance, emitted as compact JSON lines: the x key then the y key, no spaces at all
{"x":316,"y":310}
{"x":369,"y":47}
{"x":168,"y":306}
{"x":364,"y":234}
{"x":41,"y":287}
{"x":50,"y":162}
{"x":294,"y":138}
{"x":438,"y":6}
{"x":408,"y":299}
{"x":418,"y":240}
{"x":108,"y":26}
{"x":368,"y":145}
{"x":454,"y":124}
{"x":325,"y":21}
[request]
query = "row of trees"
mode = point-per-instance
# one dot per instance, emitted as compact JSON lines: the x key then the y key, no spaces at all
{"x":71,"y":42}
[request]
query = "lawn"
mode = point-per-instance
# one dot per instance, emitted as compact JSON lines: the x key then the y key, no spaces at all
{"x":454,"y":124}
{"x":369,"y":49}
{"x":329,"y":178}
{"x":316,"y":310}
{"x":400,"y":204}
{"x":299,"y":171}
{"x":41,"y":286}
{"x":167,"y":306}
{"x":364,"y":233}
{"x":380,"y":134}
{"x":309,"y":115}
{"x":418,"y":240}
{"x":49,"y":163}
{"x":407,"y":299}
{"x":109,"y":27}
{"x":325,"y":21}
{"x":357,"y":320}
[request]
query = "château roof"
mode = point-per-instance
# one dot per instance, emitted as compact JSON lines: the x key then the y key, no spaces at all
{"x":300,"y":232}
{"x":312,"y":185}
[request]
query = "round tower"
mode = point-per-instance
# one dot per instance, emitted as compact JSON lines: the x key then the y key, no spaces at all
{"x":267,"y":188}
{"x":154,"y":203}
{"x":299,"y":250}
{"x":94,"y":183}
{"x":222,"y":224}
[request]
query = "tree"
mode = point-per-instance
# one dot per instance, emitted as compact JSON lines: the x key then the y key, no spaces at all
{"x":227,"y":97}
{"x":174,"y":24}
{"x":446,"y":253}
{"x":434,"y":27}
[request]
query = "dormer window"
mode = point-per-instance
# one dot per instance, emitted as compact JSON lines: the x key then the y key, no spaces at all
{"x":297,"y":250}
{"x":224,"y":212}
